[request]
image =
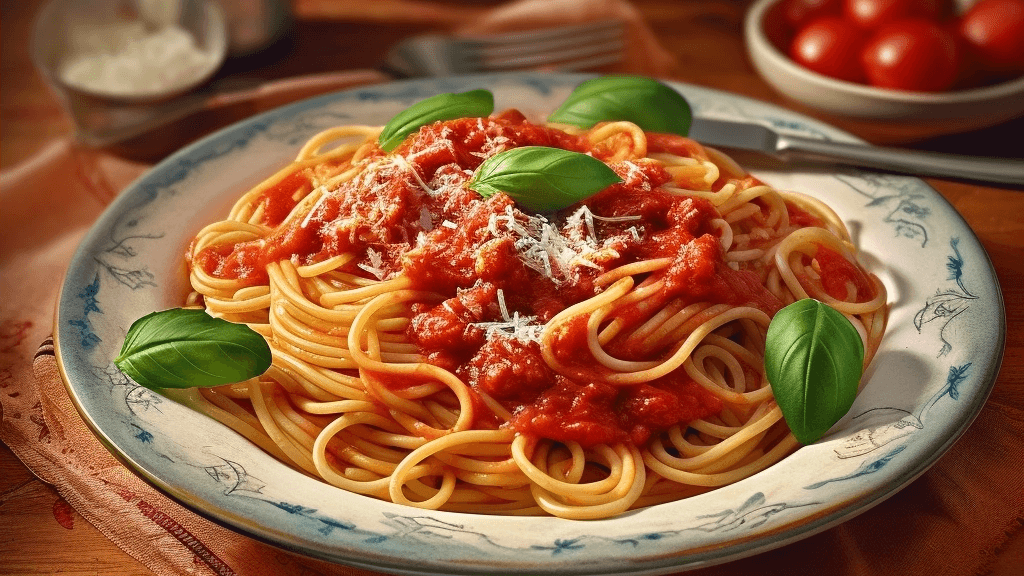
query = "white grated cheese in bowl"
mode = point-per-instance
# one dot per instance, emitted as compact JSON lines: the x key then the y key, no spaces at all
{"x":129,"y":59}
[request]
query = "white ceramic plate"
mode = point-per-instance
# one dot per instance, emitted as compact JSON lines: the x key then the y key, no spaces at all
{"x":937,"y":364}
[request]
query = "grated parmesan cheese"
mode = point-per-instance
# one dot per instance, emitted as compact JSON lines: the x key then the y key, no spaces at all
{"x":401,"y":161}
{"x":376,"y":265}
{"x":521,"y":328}
{"x":127,"y":59}
{"x":543,"y":247}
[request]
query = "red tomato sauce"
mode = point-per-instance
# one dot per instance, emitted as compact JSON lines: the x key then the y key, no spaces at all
{"x":800,"y":217}
{"x":837,"y":273}
{"x":678,"y":145}
{"x":447,"y":240}
{"x":278,"y":200}
{"x":596,"y":413}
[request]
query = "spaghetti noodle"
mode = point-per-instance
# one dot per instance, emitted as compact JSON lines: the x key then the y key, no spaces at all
{"x":442,"y":350}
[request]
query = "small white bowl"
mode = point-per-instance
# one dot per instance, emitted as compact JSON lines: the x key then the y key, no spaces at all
{"x":961,"y":109}
{"x":65,"y":29}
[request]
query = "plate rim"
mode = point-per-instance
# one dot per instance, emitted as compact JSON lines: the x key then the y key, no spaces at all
{"x":793,"y":530}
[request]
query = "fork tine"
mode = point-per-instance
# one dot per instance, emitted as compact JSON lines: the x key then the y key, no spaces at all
{"x":588,"y":63}
{"x":571,"y":47}
{"x":603,"y":51}
{"x":429,"y":54}
{"x":566,"y":65}
{"x":599,"y":41}
{"x":554,"y":43}
{"x":550,"y":33}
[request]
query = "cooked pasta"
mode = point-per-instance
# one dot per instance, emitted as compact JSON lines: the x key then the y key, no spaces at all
{"x":438,"y":349}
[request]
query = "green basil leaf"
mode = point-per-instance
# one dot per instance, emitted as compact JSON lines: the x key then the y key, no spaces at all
{"x":651,"y":105}
{"x":188,"y":348}
{"x":447,"y":106}
{"x":543,"y":179}
{"x":813,"y":360}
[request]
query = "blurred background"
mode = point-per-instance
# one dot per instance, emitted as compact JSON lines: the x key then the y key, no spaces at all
{"x":695,"y":41}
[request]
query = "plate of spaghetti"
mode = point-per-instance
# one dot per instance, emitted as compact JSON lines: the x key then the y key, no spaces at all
{"x":445,"y":326}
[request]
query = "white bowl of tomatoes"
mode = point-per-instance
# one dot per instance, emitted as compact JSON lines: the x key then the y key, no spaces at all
{"x":901,"y":60}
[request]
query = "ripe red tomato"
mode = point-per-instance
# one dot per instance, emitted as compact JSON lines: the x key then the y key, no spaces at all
{"x":831,"y":46}
{"x":994,"y":30}
{"x":796,"y":13}
{"x":912,"y":54}
{"x":871,"y":14}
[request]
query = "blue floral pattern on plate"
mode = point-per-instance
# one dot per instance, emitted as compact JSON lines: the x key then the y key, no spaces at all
{"x":937,"y":364}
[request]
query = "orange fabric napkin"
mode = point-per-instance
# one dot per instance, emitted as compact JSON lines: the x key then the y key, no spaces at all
{"x":948,"y":522}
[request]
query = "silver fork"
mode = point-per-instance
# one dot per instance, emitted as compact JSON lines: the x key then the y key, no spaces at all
{"x":559,"y":48}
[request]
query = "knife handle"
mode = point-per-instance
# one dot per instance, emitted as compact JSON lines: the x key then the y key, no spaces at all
{"x":918,"y":163}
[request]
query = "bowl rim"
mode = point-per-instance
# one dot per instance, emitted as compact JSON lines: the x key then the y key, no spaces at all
{"x":758,"y":41}
{"x":216,"y":19}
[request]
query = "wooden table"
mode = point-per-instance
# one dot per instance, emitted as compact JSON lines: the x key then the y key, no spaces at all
{"x":41,"y":534}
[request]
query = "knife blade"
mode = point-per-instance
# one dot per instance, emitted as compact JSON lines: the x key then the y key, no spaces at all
{"x":757,"y":137}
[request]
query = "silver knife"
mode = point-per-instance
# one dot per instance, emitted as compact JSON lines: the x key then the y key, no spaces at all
{"x":761,"y":138}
